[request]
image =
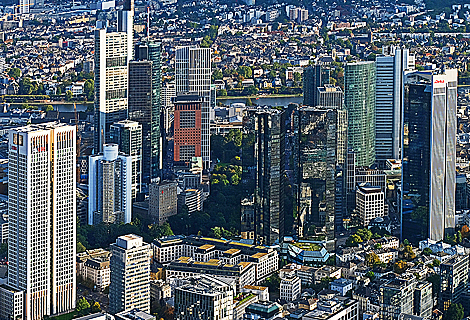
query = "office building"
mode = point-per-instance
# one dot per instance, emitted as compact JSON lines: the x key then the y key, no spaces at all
{"x":428,"y":157}
{"x":461,"y":193}
{"x":193,"y":74}
{"x":110,"y":187}
{"x":145,"y":104}
{"x":263,"y":310}
{"x":191,"y":199}
{"x":314,"y":77}
{"x":423,"y":301}
{"x":187,"y":127}
{"x":396,"y":297}
{"x":134,"y":314}
{"x":315,"y":161}
{"x":130,"y":275}
{"x":42,"y":216}
{"x":113,"y":51}
{"x":291,"y":288}
{"x":11,"y":303}
{"x":330,"y":96}
{"x":268,"y":127}
{"x":334,"y":309}
{"x":359,"y":101}
{"x":128,"y":136}
{"x":168,"y":94}
{"x":454,"y":280}
{"x":204,"y":297}
{"x":370,"y":203}
{"x":390,"y":67}
{"x":163,"y":201}
{"x":24,"y":6}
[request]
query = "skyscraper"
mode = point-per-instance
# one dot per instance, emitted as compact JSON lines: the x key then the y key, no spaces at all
{"x":330,"y":96}
{"x":187,"y":127}
{"x":314,"y":77}
{"x":359,"y":100}
{"x":268,"y":126}
{"x":42,"y":217}
{"x":113,"y":51}
{"x":130,"y":274}
{"x":390,"y":67}
{"x":428,"y":157}
{"x":145,"y":103}
{"x":24,"y":6}
{"x":109,"y":186}
{"x":193,"y":74}
{"x":315,"y":159}
{"x":128,"y":136}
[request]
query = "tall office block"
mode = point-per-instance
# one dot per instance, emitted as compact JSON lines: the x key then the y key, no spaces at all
{"x":315,"y":160}
{"x":128,"y":136}
{"x":314,"y":77}
{"x":429,"y":151}
{"x":268,"y":127}
{"x":193,"y":74}
{"x":454,"y":280}
{"x":370,"y":203}
{"x":42,"y":217}
{"x":109,"y":186}
{"x":130,"y":275}
{"x":188,"y":127}
{"x":145,"y":104}
{"x":397,"y":297}
{"x":390,"y":67}
{"x":168,"y":93}
{"x":113,"y":51}
{"x":330,"y":96}
{"x":359,"y":100}
{"x":24,"y":6}
{"x":163,"y":201}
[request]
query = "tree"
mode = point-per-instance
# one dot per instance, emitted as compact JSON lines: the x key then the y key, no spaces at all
{"x":82,"y":306}
{"x":47,"y":108}
{"x":370,"y":275}
{"x":365,"y":234}
{"x":222,"y":92}
{"x":465,"y":231}
{"x":353,"y":240}
{"x":217,"y":75}
{"x":68,"y":95}
{"x":252,"y":91}
{"x":408,"y":253}
{"x":89,"y":89}
{"x":80,"y":247}
{"x":454,"y":312}
{"x":427,"y":251}
{"x":249,"y":102}
{"x":245,"y":72}
{"x":4,"y":249}
{"x":372,"y":259}
{"x":96,"y":307}
{"x":14,"y":73}
{"x":436,"y":263}
{"x":400,"y":266}
{"x":297,"y":77}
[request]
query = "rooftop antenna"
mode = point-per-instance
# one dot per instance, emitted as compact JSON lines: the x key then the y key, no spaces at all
{"x":148,"y":24}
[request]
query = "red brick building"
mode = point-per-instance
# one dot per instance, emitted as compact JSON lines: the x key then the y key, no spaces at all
{"x":187,"y":126}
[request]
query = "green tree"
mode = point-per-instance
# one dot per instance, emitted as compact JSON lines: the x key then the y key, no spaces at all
{"x":249,"y":102}
{"x":427,"y":251}
{"x":370,"y":275}
{"x":400,"y":266}
{"x":14,"y":73}
{"x":408,"y":253}
{"x":217,"y":75}
{"x":365,"y":234}
{"x":297,"y":77}
{"x":222,"y":92}
{"x":353,"y":240}
{"x":82,"y":306}
{"x":80,"y":247}
{"x":454,"y":312}
{"x":47,"y":108}
{"x":245,"y":72}
{"x":252,"y":91}
{"x":89,"y":89}
{"x":68,"y":95}
{"x":436,"y":263}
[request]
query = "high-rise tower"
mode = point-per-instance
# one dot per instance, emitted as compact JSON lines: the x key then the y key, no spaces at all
{"x":390,"y":67}
{"x":429,"y":152}
{"x":193,"y":74}
{"x":42,"y":217}
{"x":359,"y":100}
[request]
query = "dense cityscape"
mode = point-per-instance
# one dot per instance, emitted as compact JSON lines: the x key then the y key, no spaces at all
{"x":247,"y":160}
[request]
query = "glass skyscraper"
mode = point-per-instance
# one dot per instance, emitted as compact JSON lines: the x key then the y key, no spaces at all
{"x":359,"y":100}
{"x":429,"y":151}
{"x":315,"y":154}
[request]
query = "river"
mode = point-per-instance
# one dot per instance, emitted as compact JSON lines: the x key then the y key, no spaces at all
{"x":265,"y":101}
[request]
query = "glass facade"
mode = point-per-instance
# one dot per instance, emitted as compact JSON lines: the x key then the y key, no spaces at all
{"x":359,"y":99}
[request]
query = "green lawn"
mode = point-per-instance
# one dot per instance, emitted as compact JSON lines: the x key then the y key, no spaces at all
{"x":66,"y":316}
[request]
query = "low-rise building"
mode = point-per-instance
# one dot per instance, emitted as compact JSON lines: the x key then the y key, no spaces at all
{"x":265,"y":310}
{"x":341,"y":285}
{"x":334,"y":309}
{"x":291,"y":288}
{"x":163,"y":201}
{"x":261,"y":292}
{"x":327,"y":272}
{"x":134,"y":314}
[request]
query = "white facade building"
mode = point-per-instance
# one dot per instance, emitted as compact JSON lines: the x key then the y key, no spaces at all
{"x":291,"y":287}
{"x":389,"y":94}
{"x":130,"y":275}
{"x":110,"y":187}
{"x":370,"y":203}
{"x":42,"y":216}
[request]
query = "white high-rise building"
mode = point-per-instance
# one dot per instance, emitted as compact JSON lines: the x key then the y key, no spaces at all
{"x":42,"y":217}
{"x":193,"y":74}
{"x":110,"y":186}
{"x":113,"y":51}
{"x":130,"y":275}
{"x":370,"y":203}
{"x":24,"y":6}
{"x":390,"y":66}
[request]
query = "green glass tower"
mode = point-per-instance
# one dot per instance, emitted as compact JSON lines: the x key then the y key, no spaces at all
{"x":359,"y":100}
